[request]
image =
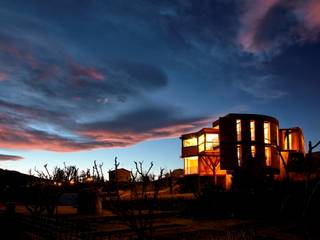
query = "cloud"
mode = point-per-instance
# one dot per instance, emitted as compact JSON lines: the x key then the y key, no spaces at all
{"x":139,"y":75}
{"x":79,"y":71}
{"x":269,"y":26}
{"x":3,"y":76}
{"x":261,"y":87}
{"x":310,"y":15}
{"x":68,"y":97}
{"x":143,"y":124}
{"x":4,"y":157}
{"x":145,"y":119}
{"x":253,"y":14}
{"x":13,"y":138}
{"x":112,"y":80}
{"x":122,"y":131}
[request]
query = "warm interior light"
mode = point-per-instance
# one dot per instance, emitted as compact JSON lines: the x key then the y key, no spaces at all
{"x":216,"y":127}
{"x":266,"y":127}
{"x":201,"y":143}
{"x":189,"y":142}
{"x":191,"y":165}
{"x":239,"y":154}
{"x":89,"y":179}
{"x":267,"y":152}
{"x":288,"y":141}
{"x":253,"y":130}
{"x":212,"y":141}
{"x":253,"y":151}
{"x":238,"y":126}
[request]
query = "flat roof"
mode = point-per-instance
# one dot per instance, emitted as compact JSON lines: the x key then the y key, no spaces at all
{"x":203,"y":130}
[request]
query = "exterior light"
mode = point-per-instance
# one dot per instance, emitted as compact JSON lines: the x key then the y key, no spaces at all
{"x":89,"y":179}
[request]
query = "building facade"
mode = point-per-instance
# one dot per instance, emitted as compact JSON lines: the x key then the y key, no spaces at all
{"x":238,"y":141}
{"x":121,"y":175}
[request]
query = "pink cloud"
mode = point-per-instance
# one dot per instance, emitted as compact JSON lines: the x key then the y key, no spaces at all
{"x":16,"y":132}
{"x":3,"y":76}
{"x":307,"y":27}
{"x":24,"y":56}
{"x":12,"y":138}
{"x":9,"y":48}
{"x":311,"y":15}
{"x":16,"y":138}
{"x":253,"y":14}
{"x":125,"y":139}
{"x":84,"y":71}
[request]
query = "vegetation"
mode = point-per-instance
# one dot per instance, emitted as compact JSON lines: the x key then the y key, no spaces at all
{"x":137,"y":204}
{"x":138,"y":210}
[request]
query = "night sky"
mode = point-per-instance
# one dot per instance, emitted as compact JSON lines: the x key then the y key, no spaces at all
{"x":90,"y":80}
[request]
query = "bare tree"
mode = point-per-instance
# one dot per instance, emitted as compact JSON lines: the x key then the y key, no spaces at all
{"x":46,"y":188}
{"x":212,"y":163}
{"x":138,"y":211}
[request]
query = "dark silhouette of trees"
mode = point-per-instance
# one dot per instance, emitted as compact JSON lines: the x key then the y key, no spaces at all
{"x":138,"y":210}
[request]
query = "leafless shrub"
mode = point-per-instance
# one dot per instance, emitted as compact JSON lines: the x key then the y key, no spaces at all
{"x":138,"y":210}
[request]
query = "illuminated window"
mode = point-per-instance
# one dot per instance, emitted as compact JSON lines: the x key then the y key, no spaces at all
{"x":239,"y":154}
{"x":277,"y":129}
{"x":267,"y":152}
{"x":238,"y":125}
{"x":190,"y":142}
{"x":288,"y":141}
{"x":253,"y":130}
{"x":191,"y":165}
{"x":212,"y":141}
{"x":253,"y":151}
{"x":266,"y":128}
{"x":201,"y":143}
{"x":216,"y":127}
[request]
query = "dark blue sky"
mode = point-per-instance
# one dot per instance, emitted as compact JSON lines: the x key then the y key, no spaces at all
{"x":79,"y":79}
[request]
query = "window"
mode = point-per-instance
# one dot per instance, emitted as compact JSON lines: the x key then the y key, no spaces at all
{"x":253,"y":151}
{"x":267,"y":152}
{"x":288,"y":141}
{"x":238,"y":126}
{"x":253,"y":130}
{"x":190,"y":142}
{"x":212,"y":141}
{"x":191,"y":165}
{"x":239,"y":154}
{"x":277,"y":129}
{"x":266,"y":128}
{"x":201,"y":143}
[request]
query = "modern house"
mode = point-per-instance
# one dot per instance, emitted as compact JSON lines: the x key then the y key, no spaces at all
{"x":238,"y":141}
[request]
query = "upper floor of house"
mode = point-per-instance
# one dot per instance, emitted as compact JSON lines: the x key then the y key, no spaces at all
{"x":237,"y":137}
